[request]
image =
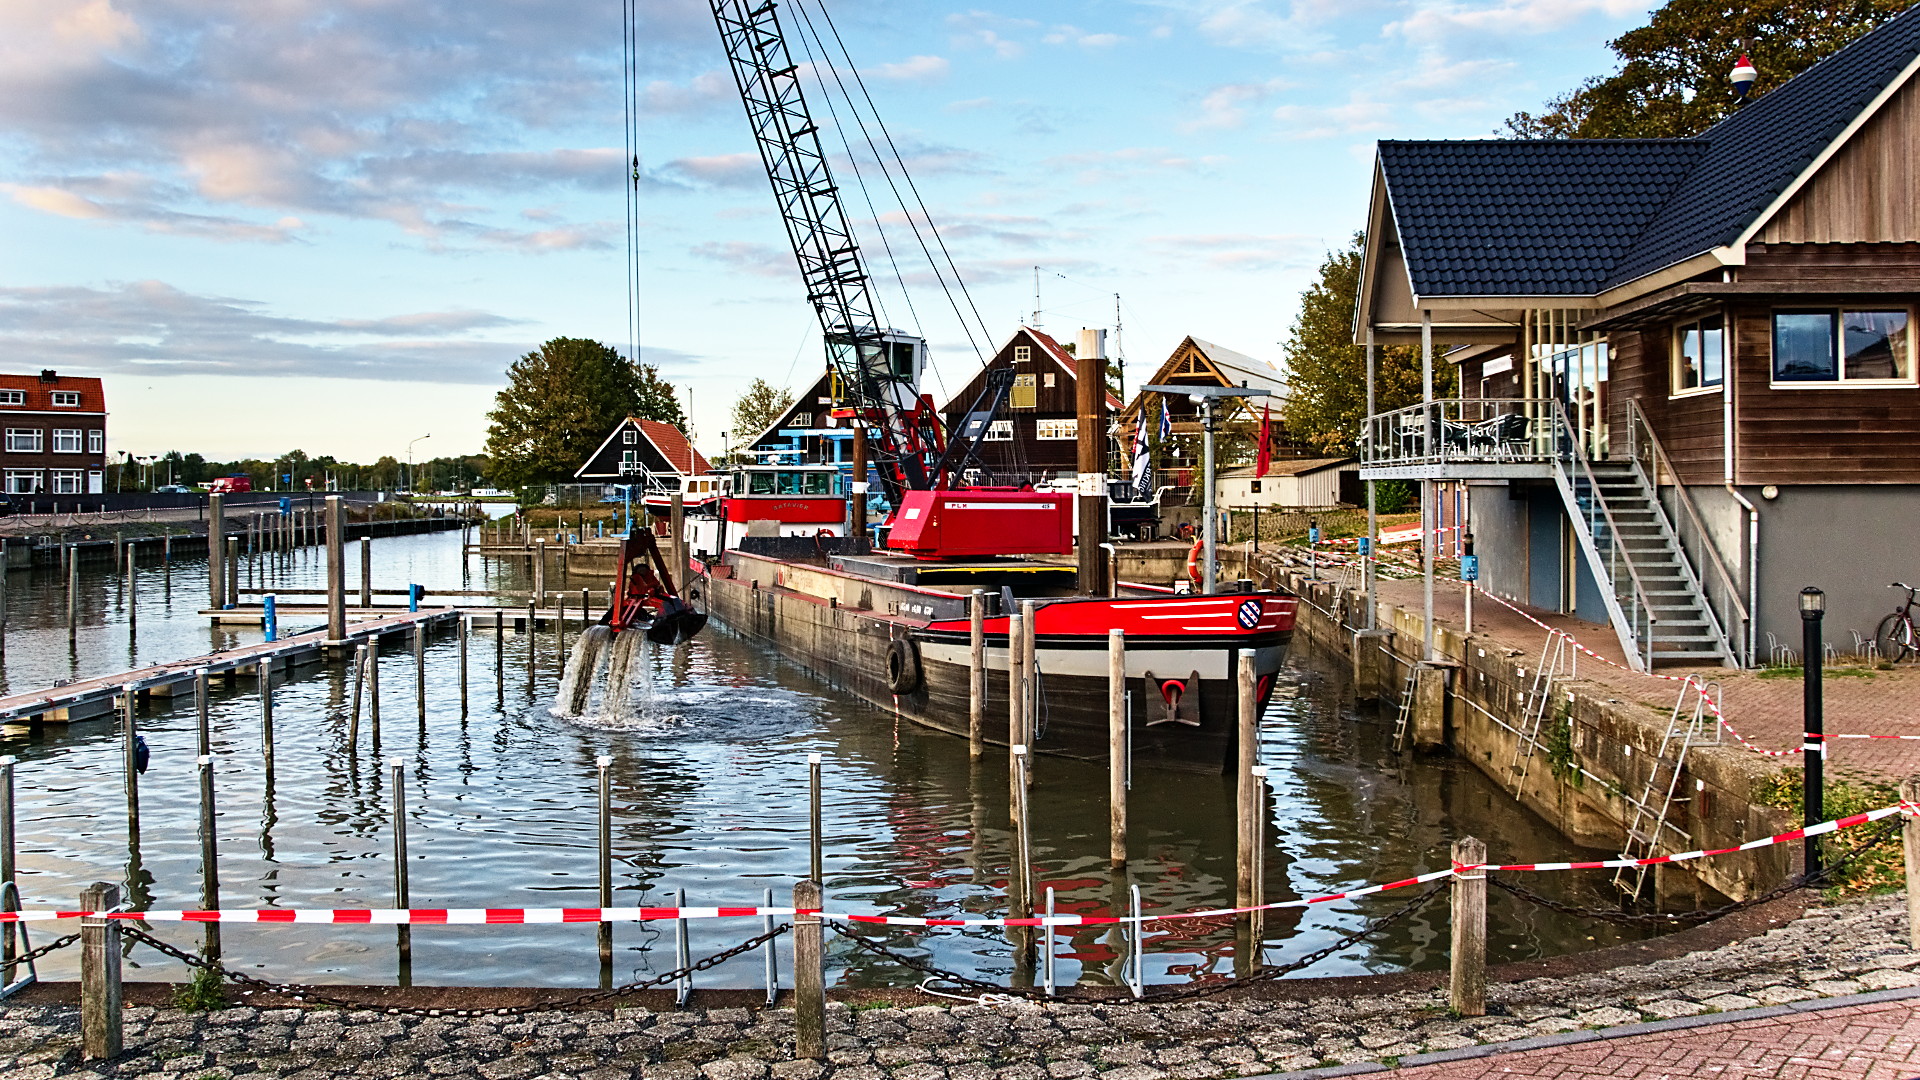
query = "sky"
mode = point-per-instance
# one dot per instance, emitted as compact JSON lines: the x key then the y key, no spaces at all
{"x":271,"y":224}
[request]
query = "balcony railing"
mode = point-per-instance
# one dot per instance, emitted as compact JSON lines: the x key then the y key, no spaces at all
{"x":1476,"y":431}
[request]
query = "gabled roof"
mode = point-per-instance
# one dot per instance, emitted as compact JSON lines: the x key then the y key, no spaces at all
{"x":1492,"y":217}
{"x":673,"y":445}
{"x":1254,"y":373}
{"x":38,"y":392}
{"x":1061,"y":358}
{"x":1288,"y":467}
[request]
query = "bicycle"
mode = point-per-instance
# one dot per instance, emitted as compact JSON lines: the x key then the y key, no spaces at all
{"x":1897,"y":637}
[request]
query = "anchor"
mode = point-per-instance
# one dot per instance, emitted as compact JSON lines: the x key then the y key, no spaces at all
{"x":1180,"y":696}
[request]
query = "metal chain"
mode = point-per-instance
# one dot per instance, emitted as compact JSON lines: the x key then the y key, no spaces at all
{"x":34,"y":954}
{"x":311,"y":994}
{"x":1696,"y":918}
{"x":1190,"y":990}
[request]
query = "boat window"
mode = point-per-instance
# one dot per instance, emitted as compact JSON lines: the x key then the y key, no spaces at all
{"x":760,"y":484}
{"x":819,"y":483}
{"x":789,"y":483}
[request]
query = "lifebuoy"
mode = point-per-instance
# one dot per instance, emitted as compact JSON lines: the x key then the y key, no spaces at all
{"x":903,"y":666}
{"x":1193,"y":559}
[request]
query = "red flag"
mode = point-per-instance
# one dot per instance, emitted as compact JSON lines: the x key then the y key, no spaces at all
{"x":1265,"y":460}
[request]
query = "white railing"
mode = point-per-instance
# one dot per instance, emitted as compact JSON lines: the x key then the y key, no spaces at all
{"x":1477,"y":431}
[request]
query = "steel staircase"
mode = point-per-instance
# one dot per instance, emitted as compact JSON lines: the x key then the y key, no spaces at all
{"x":1653,"y":596}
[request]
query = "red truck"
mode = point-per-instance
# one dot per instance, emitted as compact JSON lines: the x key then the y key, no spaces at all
{"x":227,"y":485}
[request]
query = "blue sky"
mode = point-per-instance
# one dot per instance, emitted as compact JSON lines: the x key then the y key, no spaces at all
{"x":331,"y":225}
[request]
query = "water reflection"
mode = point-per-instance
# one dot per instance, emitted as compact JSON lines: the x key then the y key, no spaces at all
{"x":709,"y":782}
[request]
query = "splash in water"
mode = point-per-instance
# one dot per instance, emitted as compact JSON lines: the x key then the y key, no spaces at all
{"x":629,"y":658}
{"x":576,"y":685}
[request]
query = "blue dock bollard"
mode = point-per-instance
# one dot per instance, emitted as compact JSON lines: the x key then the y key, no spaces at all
{"x":413,"y":597}
{"x":273,"y":620}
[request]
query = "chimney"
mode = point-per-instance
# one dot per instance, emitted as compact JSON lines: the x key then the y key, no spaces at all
{"x":48,"y":375}
{"x":1092,"y":343}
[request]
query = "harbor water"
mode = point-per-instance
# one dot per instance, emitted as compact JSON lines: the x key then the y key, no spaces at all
{"x":710,"y":797}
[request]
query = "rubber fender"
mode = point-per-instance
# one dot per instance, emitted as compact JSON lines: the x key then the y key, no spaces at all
{"x":903,"y":666}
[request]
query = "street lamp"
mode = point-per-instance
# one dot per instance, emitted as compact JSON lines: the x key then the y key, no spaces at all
{"x":428,"y":435}
{"x":1813,"y":748}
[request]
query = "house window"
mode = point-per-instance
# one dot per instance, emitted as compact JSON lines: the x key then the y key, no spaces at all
{"x":1000,"y":431}
{"x":65,"y":441}
{"x":1699,"y":354}
{"x":96,"y":442}
{"x":803,"y":419}
{"x":1254,"y":487}
{"x":1022,"y":354}
{"x":1057,"y":429}
{"x":1025,"y":394}
{"x":629,"y":437}
{"x":66,"y":481}
{"x":23,"y":481}
{"x":66,"y":399}
{"x":1049,"y":380}
{"x":13,"y":397}
{"x":1841,"y":346}
{"x":629,"y":461}
{"x":23,"y":440}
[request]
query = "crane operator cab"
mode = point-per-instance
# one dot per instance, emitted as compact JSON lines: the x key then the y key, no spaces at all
{"x":890,"y":363}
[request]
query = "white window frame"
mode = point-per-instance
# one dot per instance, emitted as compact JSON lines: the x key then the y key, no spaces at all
{"x":13,"y":397}
{"x":629,"y":437}
{"x":999,"y":431}
{"x":64,"y":399}
{"x":1023,"y":354}
{"x":1056,"y":430}
{"x":67,"y":482}
{"x":16,"y":478}
{"x":802,"y":420}
{"x":25,"y":440}
{"x":68,"y":441}
{"x":1676,"y":362}
{"x":96,"y":441}
{"x":1841,"y":382}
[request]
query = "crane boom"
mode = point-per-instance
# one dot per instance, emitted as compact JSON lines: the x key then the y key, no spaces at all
{"x":877,"y":369}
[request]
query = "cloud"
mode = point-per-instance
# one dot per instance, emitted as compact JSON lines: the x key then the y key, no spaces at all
{"x":146,"y":325}
{"x":1226,"y":106}
{"x":1243,"y":251}
{"x":983,"y":30}
{"x":720,"y":170}
{"x":1504,"y":18}
{"x":760,"y":260}
{"x":914,"y":69}
{"x":1331,"y":121}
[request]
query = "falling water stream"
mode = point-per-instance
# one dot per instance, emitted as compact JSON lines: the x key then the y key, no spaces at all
{"x":709,"y":742}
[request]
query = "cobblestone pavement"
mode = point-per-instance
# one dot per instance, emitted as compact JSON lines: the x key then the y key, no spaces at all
{"x":1861,"y":1042}
{"x":1765,"y":710}
{"x":1827,"y":952}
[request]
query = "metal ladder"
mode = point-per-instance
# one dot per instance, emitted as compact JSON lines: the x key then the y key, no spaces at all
{"x":1558,"y":660}
{"x":1404,"y":722}
{"x":1694,"y":709}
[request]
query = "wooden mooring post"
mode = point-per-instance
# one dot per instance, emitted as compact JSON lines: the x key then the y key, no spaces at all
{"x":976,"y":672}
{"x":1016,"y":723}
{"x":398,"y":795}
{"x":216,"y":572}
{"x":366,"y":571}
{"x":809,"y":973}
{"x":1467,"y":983}
{"x":336,"y":570}
{"x":100,"y":1030}
{"x":1247,"y":811}
{"x":605,"y":764}
{"x":1119,"y":749}
{"x":209,"y":858}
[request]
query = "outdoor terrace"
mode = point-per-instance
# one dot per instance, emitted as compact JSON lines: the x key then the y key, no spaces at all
{"x":1464,"y":439}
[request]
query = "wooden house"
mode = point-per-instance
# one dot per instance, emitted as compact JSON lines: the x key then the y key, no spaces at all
{"x":1240,"y":420}
{"x":1036,"y":438}
{"x":1291,"y":483}
{"x":652,"y":455}
{"x":1689,"y":388}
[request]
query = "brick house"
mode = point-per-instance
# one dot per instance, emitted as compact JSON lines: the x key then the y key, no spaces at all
{"x":1687,"y":365}
{"x":56,"y":434}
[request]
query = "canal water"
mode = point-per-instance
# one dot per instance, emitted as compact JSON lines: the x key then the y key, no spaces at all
{"x":710,"y":793}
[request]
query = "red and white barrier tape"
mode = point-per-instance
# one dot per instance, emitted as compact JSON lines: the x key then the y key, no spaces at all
{"x":522,"y":916}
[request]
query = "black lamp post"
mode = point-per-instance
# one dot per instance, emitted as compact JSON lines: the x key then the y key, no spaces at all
{"x":1813,"y":749}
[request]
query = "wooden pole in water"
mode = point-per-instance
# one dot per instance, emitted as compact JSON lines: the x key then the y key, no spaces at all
{"x":209,"y":859}
{"x":1467,"y":984}
{"x":1090,"y":502}
{"x":462,"y":621}
{"x":540,"y":569}
{"x":677,"y":543}
{"x":133,"y":610}
{"x":233,"y":571}
{"x":265,"y":670}
{"x":976,"y":675}
{"x":809,"y":973}
{"x":532,"y":641}
{"x":336,"y":571}
{"x":216,"y":528}
{"x":400,"y":902}
{"x":129,"y":753}
{"x":373,"y":690}
{"x":1118,"y":749}
{"x":100,"y":1032}
{"x":420,"y":672}
{"x":359,"y":688}
{"x":815,"y":843}
{"x":366,"y":570}
{"x":604,"y":764}
{"x":200,"y":703}
{"x":7,"y":870}
{"x":857,"y":493}
{"x":500,"y":655}
{"x":560,"y":631}
{"x":1016,"y":722}
{"x":1029,"y":679}
{"x":73,"y":595}
{"x":1247,"y":805}
{"x":1020,"y":868}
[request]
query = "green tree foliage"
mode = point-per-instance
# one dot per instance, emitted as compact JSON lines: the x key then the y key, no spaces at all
{"x":560,"y":402}
{"x":1674,"y":71}
{"x":758,"y":408}
{"x":1327,"y":373}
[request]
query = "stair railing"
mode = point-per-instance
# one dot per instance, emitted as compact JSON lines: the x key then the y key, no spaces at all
{"x":1628,"y":609}
{"x":1651,"y":459}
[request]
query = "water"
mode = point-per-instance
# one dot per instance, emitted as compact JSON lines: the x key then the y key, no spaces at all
{"x":710,"y":780}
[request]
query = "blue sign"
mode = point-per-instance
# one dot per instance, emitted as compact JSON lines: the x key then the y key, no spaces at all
{"x":1366,"y":546}
{"x":286,"y":505}
{"x":1313,"y":535}
{"x":1469,"y":568}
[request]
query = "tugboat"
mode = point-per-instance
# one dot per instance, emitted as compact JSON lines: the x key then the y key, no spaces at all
{"x":784,"y":555}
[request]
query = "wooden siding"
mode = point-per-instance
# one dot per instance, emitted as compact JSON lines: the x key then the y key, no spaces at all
{"x":1869,"y":191}
{"x":1025,"y":453}
{"x":1815,"y":265}
{"x":1689,"y":428}
{"x":1804,"y":435}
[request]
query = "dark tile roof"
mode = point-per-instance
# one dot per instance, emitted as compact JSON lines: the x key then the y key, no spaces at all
{"x":1503,"y":217}
{"x":1516,"y":218}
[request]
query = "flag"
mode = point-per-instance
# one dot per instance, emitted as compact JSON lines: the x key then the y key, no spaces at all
{"x":1141,"y":466}
{"x":1265,"y":459}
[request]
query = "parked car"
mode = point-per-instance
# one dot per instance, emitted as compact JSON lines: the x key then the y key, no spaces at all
{"x":172,"y":489}
{"x":230,"y":484}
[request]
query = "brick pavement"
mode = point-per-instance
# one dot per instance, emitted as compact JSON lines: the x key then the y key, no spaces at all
{"x":1765,"y":710}
{"x":1861,"y":1042}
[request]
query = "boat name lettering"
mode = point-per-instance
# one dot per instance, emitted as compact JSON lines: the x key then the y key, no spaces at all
{"x":997,"y":506}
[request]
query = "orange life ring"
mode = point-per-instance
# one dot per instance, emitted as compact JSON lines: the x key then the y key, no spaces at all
{"x":1193,"y":559}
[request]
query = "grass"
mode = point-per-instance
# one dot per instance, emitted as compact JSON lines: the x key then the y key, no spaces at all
{"x":1880,"y":870}
{"x":205,"y":992}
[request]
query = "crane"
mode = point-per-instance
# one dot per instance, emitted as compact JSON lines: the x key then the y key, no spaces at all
{"x":876,"y":369}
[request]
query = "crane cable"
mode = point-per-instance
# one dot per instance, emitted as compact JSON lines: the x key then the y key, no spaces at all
{"x":630,"y":95}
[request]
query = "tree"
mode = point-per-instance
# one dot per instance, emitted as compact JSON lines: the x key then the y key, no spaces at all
{"x":1327,"y":373}
{"x":560,"y":402}
{"x":758,"y":408}
{"x":1674,"y":74}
